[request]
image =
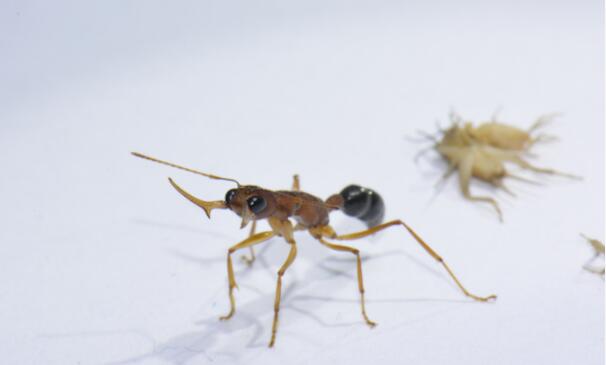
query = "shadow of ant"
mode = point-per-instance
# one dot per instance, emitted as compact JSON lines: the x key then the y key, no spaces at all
{"x":206,"y":342}
{"x":179,"y":227}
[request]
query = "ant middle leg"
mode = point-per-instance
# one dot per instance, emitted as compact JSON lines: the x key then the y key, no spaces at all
{"x":356,"y":252}
{"x":420,"y":241}
{"x":250,"y":241}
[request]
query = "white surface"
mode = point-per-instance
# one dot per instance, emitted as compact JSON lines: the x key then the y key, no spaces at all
{"x":102,"y":262}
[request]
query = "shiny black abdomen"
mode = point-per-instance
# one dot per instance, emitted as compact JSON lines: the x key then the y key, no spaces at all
{"x":364,"y":204}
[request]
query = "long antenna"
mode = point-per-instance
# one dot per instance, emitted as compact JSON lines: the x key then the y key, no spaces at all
{"x":137,"y":154}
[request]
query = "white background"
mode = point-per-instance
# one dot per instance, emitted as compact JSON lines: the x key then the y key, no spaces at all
{"x":101,"y":261}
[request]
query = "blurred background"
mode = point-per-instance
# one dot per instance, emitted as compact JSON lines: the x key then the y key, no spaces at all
{"x":101,"y":262}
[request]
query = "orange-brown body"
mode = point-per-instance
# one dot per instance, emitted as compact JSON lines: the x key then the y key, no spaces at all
{"x":307,"y":210}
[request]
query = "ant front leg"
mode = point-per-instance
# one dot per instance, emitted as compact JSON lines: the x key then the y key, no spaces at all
{"x":249,"y":261}
{"x":420,"y":241}
{"x":250,"y":241}
{"x":296,"y":185}
{"x":292,"y":254}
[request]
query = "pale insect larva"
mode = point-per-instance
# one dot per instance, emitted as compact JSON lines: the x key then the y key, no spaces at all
{"x":483,"y":151}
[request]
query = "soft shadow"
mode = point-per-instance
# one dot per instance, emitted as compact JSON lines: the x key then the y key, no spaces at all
{"x":201,"y":261}
{"x":100,"y":333}
{"x":204,"y":261}
{"x":306,"y":298}
{"x":206,"y":341}
{"x":180,"y":228}
{"x":183,"y":348}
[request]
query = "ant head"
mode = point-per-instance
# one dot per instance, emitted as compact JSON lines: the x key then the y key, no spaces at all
{"x":250,"y":202}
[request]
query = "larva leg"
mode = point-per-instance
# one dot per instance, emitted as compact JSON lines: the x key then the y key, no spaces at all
{"x":501,"y":185}
{"x":495,"y":114}
{"x":420,"y":241}
{"x":421,"y":153}
{"x":465,"y":170}
{"x":542,"y":121}
{"x":250,"y":241}
{"x":448,"y":173}
{"x":524,"y":164}
{"x":359,"y":270}
{"x":541,"y":138}
{"x":289,"y":260}
{"x":523,"y":179}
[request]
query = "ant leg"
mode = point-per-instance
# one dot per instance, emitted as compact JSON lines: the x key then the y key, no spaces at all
{"x":356,"y":252}
{"x":289,"y":260}
{"x":430,"y":251}
{"x":296,"y":186}
{"x":465,"y":171}
{"x":249,"y":261}
{"x":250,"y":241}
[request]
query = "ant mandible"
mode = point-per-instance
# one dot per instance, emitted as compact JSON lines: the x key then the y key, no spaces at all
{"x":253,"y":203}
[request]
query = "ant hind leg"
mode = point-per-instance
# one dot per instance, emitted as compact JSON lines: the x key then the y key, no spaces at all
{"x":420,"y":241}
{"x":356,"y":252}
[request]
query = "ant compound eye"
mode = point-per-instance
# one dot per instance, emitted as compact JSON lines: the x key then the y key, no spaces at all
{"x":230,"y":196}
{"x":256,"y":204}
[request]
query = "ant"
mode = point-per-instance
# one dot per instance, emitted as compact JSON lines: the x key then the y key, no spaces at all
{"x":253,"y":203}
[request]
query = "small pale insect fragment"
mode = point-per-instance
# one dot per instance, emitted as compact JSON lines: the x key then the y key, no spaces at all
{"x":482,"y":152}
{"x":598,"y":251}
